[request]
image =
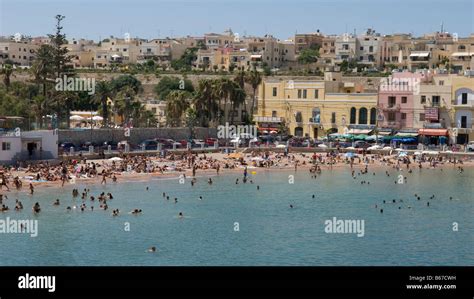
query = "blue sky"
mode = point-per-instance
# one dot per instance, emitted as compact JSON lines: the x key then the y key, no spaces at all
{"x":96,"y":19}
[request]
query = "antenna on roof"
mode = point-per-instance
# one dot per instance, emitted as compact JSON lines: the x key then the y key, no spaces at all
{"x":442,"y":27}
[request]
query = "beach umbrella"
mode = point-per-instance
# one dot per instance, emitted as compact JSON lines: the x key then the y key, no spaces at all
{"x":402,"y":154}
{"x":350,"y":148}
{"x":322,"y":145}
{"x":387,"y":148}
{"x":398,"y":149}
{"x":97,"y":118}
{"x":349,"y":155}
{"x":257,"y":159}
{"x":361,"y":136}
{"x":115,"y":159}
{"x":273,"y":132}
{"x":265,"y":132}
{"x":76,"y":117}
{"x":417,"y":153}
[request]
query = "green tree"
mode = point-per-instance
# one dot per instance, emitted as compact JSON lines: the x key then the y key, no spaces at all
{"x":308,"y":56}
{"x":177,"y":102}
{"x":205,"y":101}
{"x":7,"y":72}
{"x":168,"y":84}
{"x":253,"y":79}
{"x":103,"y":91}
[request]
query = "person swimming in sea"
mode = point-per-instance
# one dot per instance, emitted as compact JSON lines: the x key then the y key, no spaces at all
{"x":36,"y":208}
{"x":136,"y":211}
{"x":56,"y":203}
{"x":180,"y":215}
{"x":152,"y":249}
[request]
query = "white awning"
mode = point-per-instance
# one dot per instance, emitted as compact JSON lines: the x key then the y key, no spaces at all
{"x":358,"y":131}
{"x":420,"y":54}
{"x":460,"y":54}
{"x":256,"y":56}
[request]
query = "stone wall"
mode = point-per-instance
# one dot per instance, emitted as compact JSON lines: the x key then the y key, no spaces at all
{"x":137,"y":135}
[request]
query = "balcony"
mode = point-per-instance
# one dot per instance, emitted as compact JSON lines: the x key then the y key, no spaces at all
{"x":390,"y":107}
{"x":314,"y":121}
{"x":269,"y":119}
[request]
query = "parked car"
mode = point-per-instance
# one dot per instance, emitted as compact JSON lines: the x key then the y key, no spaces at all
{"x":85,"y":145}
{"x":470,"y":146}
{"x":66,"y":146}
{"x":243,"y":139}
{"x":210,"y":142}
{"x":149,"y":144}
{"x":105,"y":145}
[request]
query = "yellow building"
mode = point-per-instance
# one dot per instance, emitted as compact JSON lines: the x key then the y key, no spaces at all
{"x":313,"y":108}
{"x":463,"y":104}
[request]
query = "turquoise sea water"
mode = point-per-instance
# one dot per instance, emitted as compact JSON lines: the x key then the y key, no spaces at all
{"x":270,"y":232}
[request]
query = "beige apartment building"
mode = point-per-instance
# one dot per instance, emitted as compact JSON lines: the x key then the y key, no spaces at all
{"x":22,"y":53}
{"x":305,"y":41}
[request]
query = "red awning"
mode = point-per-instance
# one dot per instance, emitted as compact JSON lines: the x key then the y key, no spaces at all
{"x":433,"y":132}
{"x":267,"y":129}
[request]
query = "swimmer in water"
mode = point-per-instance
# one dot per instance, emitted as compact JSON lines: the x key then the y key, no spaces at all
{"x":180,"y":215}
{"x":56,"y":203}
{"x":175,"y":200}
{"x":200,"y":197}
{"x":209,"y":181}
{"x":258,"y":187}
{"x":152,"y":249}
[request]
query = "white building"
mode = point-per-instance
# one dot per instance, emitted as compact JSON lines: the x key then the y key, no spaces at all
{"x":28,"y":145}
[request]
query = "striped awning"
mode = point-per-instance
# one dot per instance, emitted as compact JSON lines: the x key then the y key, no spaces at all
{"x":433,"y":132}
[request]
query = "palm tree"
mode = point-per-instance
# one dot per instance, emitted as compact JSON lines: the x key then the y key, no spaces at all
{"x":40,"y":107}
{"x":254,"y":79}
{"x":204,"y":102}
{"x":176,"y":104}
{"x":223,"y":88}
{"x":42,"y":66}
{"x":103,"y":92}
{"x":124,"y":103}
{"x":237,"y":97}
{"x":7,"y":71}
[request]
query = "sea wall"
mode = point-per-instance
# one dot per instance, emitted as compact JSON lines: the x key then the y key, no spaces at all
{"x":137,"y":135}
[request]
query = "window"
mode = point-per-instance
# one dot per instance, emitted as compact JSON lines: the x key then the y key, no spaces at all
{"x":404,"y":116}
{"x":391,"y":116}
{"x":304,"y":93}
{"x":404,"y":100}
{"x":6,"y":146}
{"x":274,"y":91}
{"x":361,"y":48}
{"x":373,"y":116}
{"x":153,"y":110}
{"x":423,"y":100}
{"x":353,"y":115}
{"x":299,"y":93}
{"x":371,"y":49}
{"x":274,"y":113}
{"x":298,"y":117}
{"x":435,"y":101}
{"x":316,"y":93}
{"x":333,"y":117}
{"x":363,"y":116}
{"x":464,"y":98}
{"x":463,"y":121}
{"x":441,"y":82}
{"x":392,"y":101}
{"x":422,"y":117}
